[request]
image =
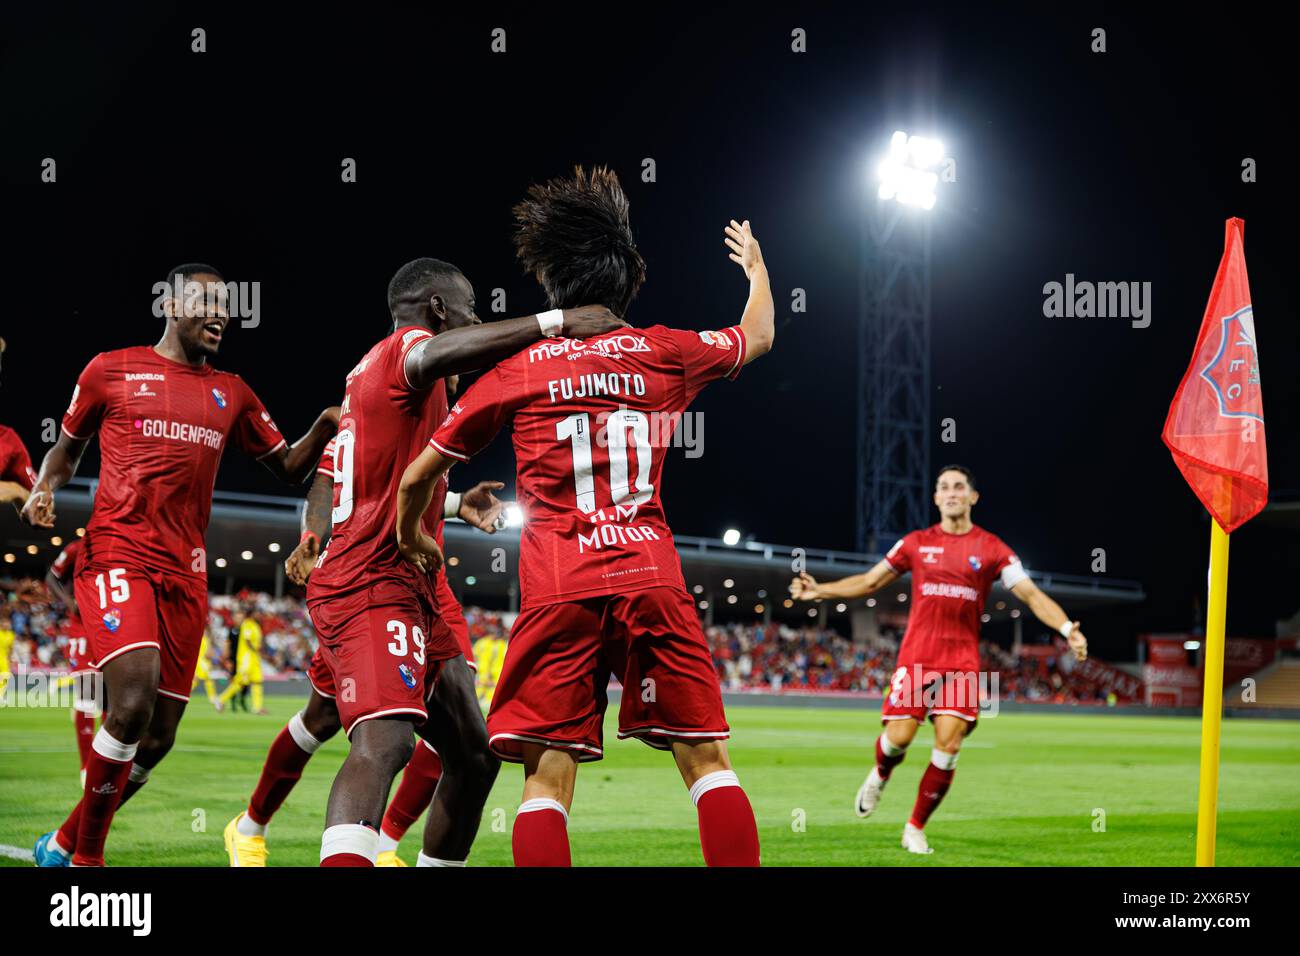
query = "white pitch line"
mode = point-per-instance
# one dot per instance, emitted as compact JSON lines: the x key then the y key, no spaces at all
{"x":16,"y":853}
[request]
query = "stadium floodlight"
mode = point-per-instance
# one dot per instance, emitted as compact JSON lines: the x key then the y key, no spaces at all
{"x":732,"y":599}
{"x":56,"y":541}
{"x":32,"y":549}
{"x":729,"y":583}
{"x":1191,"y":645}
{"x":907,"y":172}
{"x":273,"y":547}
{"x":731,"y":537}
{"x":841,"y":608}
{"x":220,"y":562}
{"x":246,"y":555}
{"x":471,"y":581}
{"x":514,"y":516}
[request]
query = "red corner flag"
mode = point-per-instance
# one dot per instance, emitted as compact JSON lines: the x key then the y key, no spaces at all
{"x":1215,"y":427}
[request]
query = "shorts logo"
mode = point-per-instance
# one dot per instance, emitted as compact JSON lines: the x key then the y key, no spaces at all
{"x":113,"y":620}
{"x":219,"y":397}
{"x":408,"y":676}
{"x":974,"y":562}
{"x":718,"y":340}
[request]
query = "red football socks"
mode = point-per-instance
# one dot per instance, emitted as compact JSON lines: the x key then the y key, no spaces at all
{"x":541,"y":834}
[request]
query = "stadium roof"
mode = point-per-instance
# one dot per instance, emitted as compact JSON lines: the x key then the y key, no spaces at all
{"x":758,"y":572}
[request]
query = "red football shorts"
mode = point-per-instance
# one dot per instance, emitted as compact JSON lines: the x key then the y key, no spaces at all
{"x":322,"y":680}
{"x":123,"y":609}
{"x":383,"y":647}
{"x":918,"y":691}
{"x":559,"y":660}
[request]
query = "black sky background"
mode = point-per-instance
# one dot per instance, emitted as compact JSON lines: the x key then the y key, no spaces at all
{"x":1114,"y":166}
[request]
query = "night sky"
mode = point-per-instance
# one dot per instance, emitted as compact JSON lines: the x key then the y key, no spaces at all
{"x":1119,"y":166}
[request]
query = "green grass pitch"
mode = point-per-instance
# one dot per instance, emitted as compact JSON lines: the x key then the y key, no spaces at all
{"x":1030,"y":790}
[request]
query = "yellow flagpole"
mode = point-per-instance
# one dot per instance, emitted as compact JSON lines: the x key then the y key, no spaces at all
{"x":1212,"y":697}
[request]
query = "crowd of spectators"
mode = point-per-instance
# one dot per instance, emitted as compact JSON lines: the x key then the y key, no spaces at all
{"x":768,"y":657}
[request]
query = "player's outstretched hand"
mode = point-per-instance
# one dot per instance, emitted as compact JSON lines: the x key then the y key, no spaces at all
{"x":744,"y":247}
{"x":39,"y":509}
{"x":299,"y":564}
{"x":588,"y":320}
{"x":1078,"y":643}
{"x":804,"y":587}
{"x":423,"y":552}
{"x":480,"y":507}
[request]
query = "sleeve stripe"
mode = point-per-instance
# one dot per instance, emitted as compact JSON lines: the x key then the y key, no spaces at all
{"x":68,"y":432}
{"x":406,"y":352}
{"x":433,"y":442}
{"x":283,"y":444}
{"x":891,"y":566}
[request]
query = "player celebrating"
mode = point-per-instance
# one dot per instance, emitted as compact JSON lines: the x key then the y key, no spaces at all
{"x":601,"y":581}
{"x":164,"y":416}
{"x":954,"y":564}
{"x":245,"y":835}
{"x":59,"y":581}
{"x":386,"y":645}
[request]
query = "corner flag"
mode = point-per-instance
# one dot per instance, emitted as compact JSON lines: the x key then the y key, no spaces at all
{"x":1215,"y":431}
{"x":1215,"y":427}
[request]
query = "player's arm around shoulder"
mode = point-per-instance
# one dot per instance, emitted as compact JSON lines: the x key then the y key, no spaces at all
{"x":758,"y":323}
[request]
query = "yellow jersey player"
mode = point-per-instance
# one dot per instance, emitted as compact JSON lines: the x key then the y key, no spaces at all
{"x":489,"y":655}
{"x":248,"y":663}
{"x":202,"y":672}
{"x":6,"y":648}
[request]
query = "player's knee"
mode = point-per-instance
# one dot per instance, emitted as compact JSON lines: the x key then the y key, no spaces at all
{"x":129,"y":714}
{"x":481,"y":768}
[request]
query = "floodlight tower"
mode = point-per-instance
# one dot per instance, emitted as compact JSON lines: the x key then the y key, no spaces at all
{"x":894,"y":344}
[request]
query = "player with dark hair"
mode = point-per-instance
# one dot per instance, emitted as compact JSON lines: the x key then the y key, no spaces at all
{"x":164,"y":416}
{"x":385,"y":643}
{"x":601,"y":582}
{"x":953,"y":564}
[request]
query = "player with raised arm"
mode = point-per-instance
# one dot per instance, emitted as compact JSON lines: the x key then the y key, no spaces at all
{"x":386,"y":644}
{"x":953,"y":564}
{"x":164,"y":416}
{"x":600,"y":577}
{"x":318,"y":721}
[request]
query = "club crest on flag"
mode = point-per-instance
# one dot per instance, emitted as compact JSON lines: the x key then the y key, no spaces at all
{"x":113,"y":619}
{"x":1233,"y":373}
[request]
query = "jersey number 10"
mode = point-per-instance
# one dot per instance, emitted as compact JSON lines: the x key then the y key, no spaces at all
{"x":576,"y":429}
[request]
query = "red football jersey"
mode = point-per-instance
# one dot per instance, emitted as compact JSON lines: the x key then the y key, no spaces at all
{"x":382,"y":427}
{"x":592,"y":420}
{"x":64,"y":569}
{"x":952,"y":575}
{"x":162,"y":428}
{"x":15,"y":463}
